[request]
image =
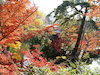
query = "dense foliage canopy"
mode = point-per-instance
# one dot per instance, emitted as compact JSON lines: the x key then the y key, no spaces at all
{"x":28,"y":43}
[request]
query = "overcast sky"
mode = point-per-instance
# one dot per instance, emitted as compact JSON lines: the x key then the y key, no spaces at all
{"x":47,"y":5}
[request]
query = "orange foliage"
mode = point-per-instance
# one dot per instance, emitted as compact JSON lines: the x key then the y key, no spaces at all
{"x":36,"y":59}
{"x":13,"y":15}
{"x":91,"y":40}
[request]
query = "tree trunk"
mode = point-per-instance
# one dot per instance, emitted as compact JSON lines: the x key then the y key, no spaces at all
{"x":75,"y":50}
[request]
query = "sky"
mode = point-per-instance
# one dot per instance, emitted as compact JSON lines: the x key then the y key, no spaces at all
{"x":46,"y":6}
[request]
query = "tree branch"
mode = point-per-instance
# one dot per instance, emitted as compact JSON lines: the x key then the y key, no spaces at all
{"x":18,"y":25}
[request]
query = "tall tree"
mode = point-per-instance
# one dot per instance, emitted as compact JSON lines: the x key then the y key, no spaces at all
{"x":79,"y":34}
{"x":66,"y":13}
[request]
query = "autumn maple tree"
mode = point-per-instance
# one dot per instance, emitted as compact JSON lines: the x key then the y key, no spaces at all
{"x":13,"y":15}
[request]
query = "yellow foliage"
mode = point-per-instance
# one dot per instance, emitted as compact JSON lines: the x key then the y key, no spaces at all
{"x":38,"y":22}
{"x":18,"y":44}
{"x":34,"y":28}
{"x":15,"y":45}
{"x":58,"y":57}
{"x":16,"y":48}
{"x":12,"y":45}
{"x":63,"y":57}
{"x":60,"y":67}
{"x":17,"y":56}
